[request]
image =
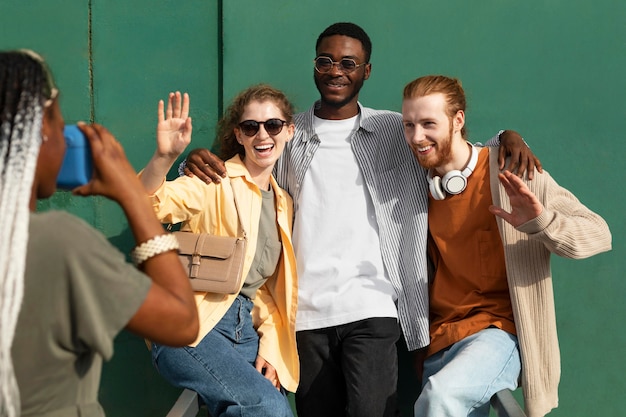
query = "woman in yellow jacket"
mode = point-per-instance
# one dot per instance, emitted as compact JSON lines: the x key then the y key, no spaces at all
{"x":246,"y":352}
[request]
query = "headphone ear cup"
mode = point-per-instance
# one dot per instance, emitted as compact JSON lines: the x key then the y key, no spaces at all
{"x":454,"y":182}
{"x":434,"y":184}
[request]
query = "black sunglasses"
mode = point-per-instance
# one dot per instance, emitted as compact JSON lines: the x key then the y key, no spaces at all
{"x":324,"y":64}
{"x":272,"y":126}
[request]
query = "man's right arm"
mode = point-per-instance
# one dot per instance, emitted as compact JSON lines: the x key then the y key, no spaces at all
{"x":204,"y":165}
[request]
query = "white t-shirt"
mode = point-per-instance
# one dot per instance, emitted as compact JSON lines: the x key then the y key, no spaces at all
{"x":340,"y":269}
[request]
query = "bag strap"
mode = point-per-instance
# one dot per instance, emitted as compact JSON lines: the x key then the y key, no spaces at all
{"x":240,"y":230}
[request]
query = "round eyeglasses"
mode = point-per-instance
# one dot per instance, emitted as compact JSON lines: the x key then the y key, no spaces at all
{"x":272,"y":126}
{"x":324,"y":64}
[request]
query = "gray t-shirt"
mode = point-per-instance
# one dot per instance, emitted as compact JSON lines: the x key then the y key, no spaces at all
{"x":268,"y":248}
{"x":79,"y":293}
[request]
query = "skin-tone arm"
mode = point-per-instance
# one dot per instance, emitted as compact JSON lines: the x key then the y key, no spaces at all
{"x":168,"y":315}
{"x":173,"y":135}
{"x":524,"y":204}
{"x":522,"y":158}
{"x":209,"y":168}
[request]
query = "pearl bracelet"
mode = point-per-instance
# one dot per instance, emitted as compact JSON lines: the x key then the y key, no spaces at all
{"x":153,"y":247}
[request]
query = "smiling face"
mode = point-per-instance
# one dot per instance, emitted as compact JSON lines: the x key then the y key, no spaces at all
{"x":429,"y":131}
{"x":339,"y":91}
{"x":262,"y":150}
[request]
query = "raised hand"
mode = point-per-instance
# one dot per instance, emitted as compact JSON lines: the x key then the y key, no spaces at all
{"x":173,"y":136}
{"x":174,"y":125}
{"x":524,"y":204}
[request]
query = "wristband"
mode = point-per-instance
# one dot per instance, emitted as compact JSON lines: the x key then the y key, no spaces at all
{"x":182,"y":166}
{"x":153,"y":247}
{"x":502,"y":131}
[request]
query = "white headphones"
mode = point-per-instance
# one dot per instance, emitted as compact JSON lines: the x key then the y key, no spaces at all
{"x":454,"y":182}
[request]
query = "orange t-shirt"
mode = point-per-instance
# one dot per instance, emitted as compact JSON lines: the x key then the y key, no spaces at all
{"x":469,"y":291}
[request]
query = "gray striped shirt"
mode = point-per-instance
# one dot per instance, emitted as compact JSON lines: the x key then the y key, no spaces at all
{"x":398,"y":188}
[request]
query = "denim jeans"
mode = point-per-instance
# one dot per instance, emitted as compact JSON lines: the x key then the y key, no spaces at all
{"x":459,"y":381}
{"x":349,"y":370}
{"x":221,"y":368}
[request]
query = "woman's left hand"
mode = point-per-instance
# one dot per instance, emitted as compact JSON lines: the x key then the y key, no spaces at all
{"x":174,"y":126}
{"x":267,"y":371}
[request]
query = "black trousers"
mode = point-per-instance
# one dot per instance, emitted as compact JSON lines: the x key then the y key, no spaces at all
{"x":349,"y":370}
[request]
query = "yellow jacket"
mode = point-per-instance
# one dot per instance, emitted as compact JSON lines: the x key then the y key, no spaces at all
{"x":211,"y":208}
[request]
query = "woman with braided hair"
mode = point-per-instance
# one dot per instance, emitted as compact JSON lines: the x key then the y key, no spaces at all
{"x":65,"y":291}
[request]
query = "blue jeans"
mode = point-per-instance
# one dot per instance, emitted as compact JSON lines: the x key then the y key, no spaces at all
{"x":221,"y":368}
{"x":460,"y":380}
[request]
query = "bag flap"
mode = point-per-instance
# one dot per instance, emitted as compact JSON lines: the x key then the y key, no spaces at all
{"x":204,"y":244}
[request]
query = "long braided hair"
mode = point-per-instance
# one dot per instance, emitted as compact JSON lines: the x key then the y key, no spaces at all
{"x":26,"y":88}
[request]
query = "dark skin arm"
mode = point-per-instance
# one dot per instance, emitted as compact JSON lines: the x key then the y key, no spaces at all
{"x":522,"y":158}
{"x":210,"y":168}
{"x":205,"y":165}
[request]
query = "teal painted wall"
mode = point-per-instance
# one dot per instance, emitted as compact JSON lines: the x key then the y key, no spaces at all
{"x":552,"y":70}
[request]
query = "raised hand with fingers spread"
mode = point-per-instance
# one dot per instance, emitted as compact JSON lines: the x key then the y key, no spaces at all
{"x":173,"y":135}
{"x":174,"y":126}
{"x":525,"y":205}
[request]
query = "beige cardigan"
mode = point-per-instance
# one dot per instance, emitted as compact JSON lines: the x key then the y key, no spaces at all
{"x":566,"y":228}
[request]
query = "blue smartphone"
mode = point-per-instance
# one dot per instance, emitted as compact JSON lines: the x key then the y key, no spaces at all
{"x":77,"y":167}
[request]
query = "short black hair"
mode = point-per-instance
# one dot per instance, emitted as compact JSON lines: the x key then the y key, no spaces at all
{"x":351,"y":30}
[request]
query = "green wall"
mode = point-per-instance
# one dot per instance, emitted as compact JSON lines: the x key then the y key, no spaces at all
{"x":552,"y":70}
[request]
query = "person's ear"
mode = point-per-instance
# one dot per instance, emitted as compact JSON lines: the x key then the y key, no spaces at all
{"x":52,"y":122}
{"x":238,"y":135}
{"x":459,"y":120}
{"x":291,"y":129}
{"x":46,"y":123}
{"x":368,"y":70}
